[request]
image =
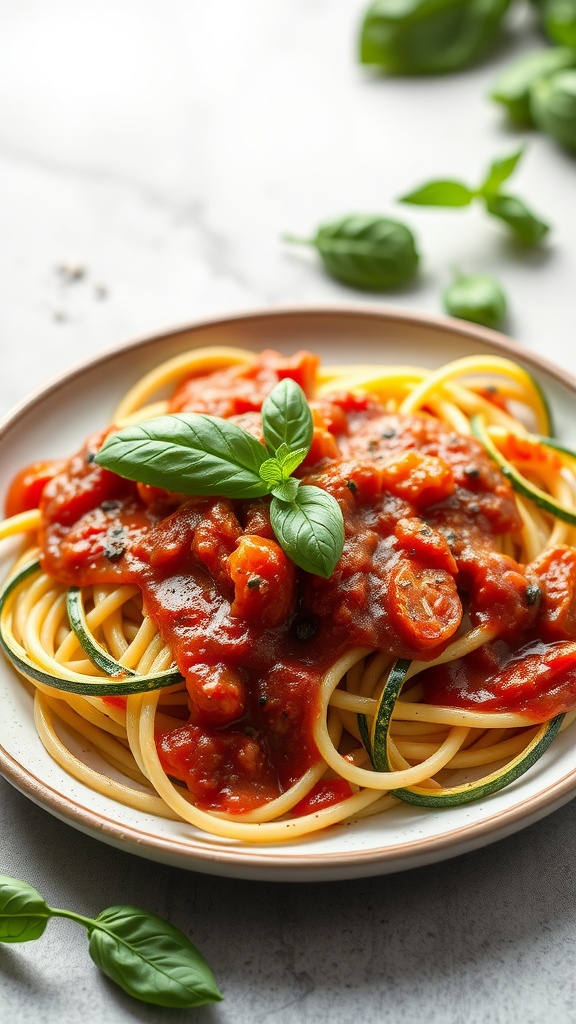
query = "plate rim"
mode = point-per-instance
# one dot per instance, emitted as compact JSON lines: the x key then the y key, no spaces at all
{"x":244,"y":860}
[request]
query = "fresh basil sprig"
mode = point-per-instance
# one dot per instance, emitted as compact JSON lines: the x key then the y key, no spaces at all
{"x":191,"y":453}
{"x":147,"y":956}
{"x":524,"y":224}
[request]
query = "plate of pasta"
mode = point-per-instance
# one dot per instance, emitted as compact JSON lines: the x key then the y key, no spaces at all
{"x":290,"y":595}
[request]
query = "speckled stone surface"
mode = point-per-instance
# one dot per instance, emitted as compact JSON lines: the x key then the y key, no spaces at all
{"x":151,"y":155}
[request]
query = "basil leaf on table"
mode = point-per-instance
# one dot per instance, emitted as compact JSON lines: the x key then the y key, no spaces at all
{"x":147,"y":956}
{"x":440,"y":193}
{"x":478,"y":298}
{"x":286,"y":418}
{"x":499,"y":172}
{"x":310,"y":529}
{"x":368,"y":252}
{"x":524,"y":224}
{"x":189,"y":453}
{"x":150,"y":959}
{"x":23,"y":913}
{"x":513,"y":86}
{"x":553,"y":106}
{"x":558,"y":18}
{"x":423,"y":37}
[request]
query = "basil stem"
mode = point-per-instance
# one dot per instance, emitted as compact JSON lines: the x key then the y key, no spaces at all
{"x":145,"y":955}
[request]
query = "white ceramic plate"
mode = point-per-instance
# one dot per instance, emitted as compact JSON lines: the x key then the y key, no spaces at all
{"x":54,"y":421}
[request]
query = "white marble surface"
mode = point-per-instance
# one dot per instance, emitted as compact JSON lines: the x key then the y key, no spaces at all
{"x":163,"y":146}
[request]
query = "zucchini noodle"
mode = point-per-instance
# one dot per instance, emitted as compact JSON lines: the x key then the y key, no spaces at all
{"x":104,"y":679}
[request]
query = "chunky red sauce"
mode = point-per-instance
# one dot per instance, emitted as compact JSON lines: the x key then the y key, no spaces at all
{"x":252,"y":635}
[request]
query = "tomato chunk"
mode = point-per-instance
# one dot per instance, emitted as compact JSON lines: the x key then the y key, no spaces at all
{"x":325,"y":793}
{"x":423,"y":604}
{"x":538,"y":681}
{"x":421,"y":479}
{"x":264,"y":581}
{"x":27,"y":486}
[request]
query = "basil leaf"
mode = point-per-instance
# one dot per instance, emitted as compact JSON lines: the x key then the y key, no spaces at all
{"x":286,"y":490}
{"x":512,"y":88}
{"x":271,"y":472}
{"x":188,"y":453}
{"x":440,"y":193}
{"x":420,"y":37}
{"x":371,"y":253}
{"x":150,"y":959}
{"x":23,"y":912}
{"x":310,"y":529}
{"x":553,"y":106}
{"x":500,"y":171}
{"x":513,"y":211}
{"x":478,"y":298}
{"x":286,"y":417}
{"x":289,"y":461}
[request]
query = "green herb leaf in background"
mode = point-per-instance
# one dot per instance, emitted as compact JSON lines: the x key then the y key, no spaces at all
{"x":478,"y":298}
{"x":147,"y":956}
{"x":422,"y":37}
{"x":513,"y":86}
{"x":553,"y":107}
{"x":440,"y":193}
{"x":558,"y":18}
{"x":499,"y":172}
{"x":310,"y":529}
{"x":525,"y":225}
{"x":367,"y":252}
{"x":205,"y":455}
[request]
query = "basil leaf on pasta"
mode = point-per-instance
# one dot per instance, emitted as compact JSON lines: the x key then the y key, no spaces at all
{"x":310,"y":529}
{"x":188,"y":453}
{"x":286,"y":418}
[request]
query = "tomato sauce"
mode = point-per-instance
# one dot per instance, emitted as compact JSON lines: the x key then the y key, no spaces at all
{"x":251,"y":634}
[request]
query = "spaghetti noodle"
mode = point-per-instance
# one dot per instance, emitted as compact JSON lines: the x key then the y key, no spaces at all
{"x":258,"y":702}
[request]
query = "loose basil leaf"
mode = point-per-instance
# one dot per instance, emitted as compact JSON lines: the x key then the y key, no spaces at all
{"x":417,"y":37}
{"x":553,"y":106}
{"x":371,"y":253}
{"x":478,"y":298}
{"x":286,"y":490}
{"x":500,"y":171}
{"x":188,"y":453}
{"x":150,"y":959}
{"x":559,"y":20}
{"x":440,"y":193}
{"x":513,"y":211}
{"x":23,"y":912}
{"x":512,"y":87}
{"x":286,"y":417}
{"x":310,"y":529}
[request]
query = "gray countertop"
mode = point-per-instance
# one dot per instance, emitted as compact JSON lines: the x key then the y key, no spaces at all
{"x":162,"y":148}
